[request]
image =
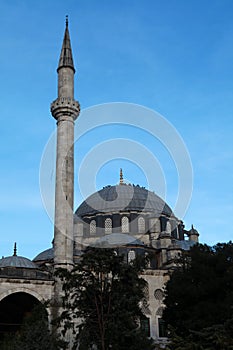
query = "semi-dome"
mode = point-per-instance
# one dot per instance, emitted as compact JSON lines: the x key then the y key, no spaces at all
{"x":17,"y":261}
{"x":116,"y":240}
{"x":47,"y":254}
{"x":121,"y":198}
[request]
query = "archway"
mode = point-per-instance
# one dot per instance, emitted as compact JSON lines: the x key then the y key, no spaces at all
{"x":13,"y":310}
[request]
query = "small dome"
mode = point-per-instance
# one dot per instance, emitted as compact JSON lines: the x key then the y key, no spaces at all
{"x":123,"y":198}
{"x":17,"y":261}
{"x":47,"y":254}
{"x":193,"y":231}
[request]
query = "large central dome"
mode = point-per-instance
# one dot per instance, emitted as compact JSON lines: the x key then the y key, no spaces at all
{"x":121,"y":198}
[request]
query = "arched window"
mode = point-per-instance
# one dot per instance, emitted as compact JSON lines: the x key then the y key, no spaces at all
{"x":108,"y":225}
{"x":169,"y":227}
{"x":93,"y":227}
{"x":124,"y":224}
{"x":145,"y":301}
{"x":141,"y":225}
{"x":131,"y":255}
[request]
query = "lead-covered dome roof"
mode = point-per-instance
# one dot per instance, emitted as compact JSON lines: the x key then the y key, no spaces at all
{"x":121,"y":198}
{"x":17,"y":261}
{"x":47,"y":254}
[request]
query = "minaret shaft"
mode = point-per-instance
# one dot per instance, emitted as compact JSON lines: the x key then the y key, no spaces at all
{"x":66,"y":83}
{"x":65,"y":110}
{"x":63,"y":231}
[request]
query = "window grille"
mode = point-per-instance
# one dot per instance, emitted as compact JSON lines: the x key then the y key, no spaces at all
{"x":108,"y":226}
{"x":159,"y":295}
{"x":141,"y":225}
{"x":124,"y":224}
{"x":93,"y":227}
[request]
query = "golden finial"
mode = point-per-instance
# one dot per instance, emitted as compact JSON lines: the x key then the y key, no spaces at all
{"x":121,"y":177}
{"x":67,"y":20}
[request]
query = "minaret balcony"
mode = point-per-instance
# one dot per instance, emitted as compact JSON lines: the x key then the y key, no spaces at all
{"x":65,"y":106}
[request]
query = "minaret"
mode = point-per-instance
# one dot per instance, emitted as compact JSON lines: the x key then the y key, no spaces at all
{"x":65,"y":110}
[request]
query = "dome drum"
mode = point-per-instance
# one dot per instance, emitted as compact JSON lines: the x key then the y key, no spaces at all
{"x":115,"y":223}
{"x":132,"y":223}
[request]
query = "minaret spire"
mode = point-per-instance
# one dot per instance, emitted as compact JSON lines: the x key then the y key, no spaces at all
{"x":65,"y":110}
{"x":66,"y":57}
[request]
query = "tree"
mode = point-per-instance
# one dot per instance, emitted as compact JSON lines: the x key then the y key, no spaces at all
{"x":199,"y":299}
{"x":104,"y":294}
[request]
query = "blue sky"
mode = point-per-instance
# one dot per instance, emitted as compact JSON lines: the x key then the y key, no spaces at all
{"x":174,"y":57}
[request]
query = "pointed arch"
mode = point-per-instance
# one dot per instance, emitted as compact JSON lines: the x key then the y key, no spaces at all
{"x":92,"y":227}
{"x":141,"y":225}
{"x":13,"y":309}
{"x":124,"y":224}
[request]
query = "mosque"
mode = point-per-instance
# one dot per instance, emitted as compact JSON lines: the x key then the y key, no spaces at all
{"x":129,"y":217}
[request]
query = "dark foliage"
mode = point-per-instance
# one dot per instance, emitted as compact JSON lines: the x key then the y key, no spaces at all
{"x":199,"y":299}
{"x":104,"y":293}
